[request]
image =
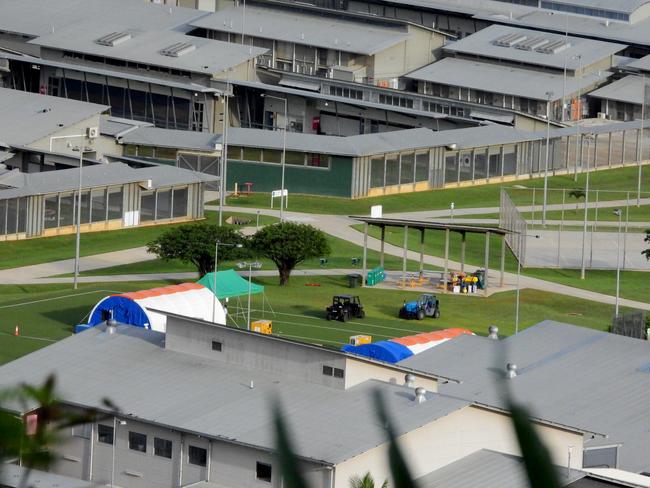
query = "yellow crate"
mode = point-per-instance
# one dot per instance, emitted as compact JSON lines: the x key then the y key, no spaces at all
{"x":357,"y":340}
{"x":262,"y":326}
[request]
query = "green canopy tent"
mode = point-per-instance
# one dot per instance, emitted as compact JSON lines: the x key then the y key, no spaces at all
{"x":229,"y":284}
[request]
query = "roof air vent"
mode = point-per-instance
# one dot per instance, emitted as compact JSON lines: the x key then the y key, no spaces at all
{"x":178,"y":49}
{"x":111,"y":325}
{"x":113,"y":39}
{"x":493,"y":332}
{"x":532,"y":44}
{"x":409,"y":380}
{"x":511,"y":370}
{"x":420,"y":395}
{"x":509,"y":40}
{"x":554,"y":47}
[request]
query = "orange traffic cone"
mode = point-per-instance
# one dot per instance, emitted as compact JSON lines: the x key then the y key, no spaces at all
{"x":16,"y":331}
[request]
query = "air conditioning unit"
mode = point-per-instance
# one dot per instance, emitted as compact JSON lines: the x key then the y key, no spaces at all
{"x":92,"y":132}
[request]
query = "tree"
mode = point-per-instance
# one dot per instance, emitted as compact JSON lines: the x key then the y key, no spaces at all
{"x":577,"y":193}
{"x":646,"y":253}
{"x":366,"y":482}
{"x":195,"y":244}
{"x":288,"y":244}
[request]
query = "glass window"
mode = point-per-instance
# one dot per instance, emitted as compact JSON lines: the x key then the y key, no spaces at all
{"x":328,"y":370}
{"x":164,"y":205}
{"x":392,"y":170}
{"x":217,"y":346}
{"x":115,"y":202}
{"x":22,"y":214}
{"x":51,"y":212}
{"x":82,"y":430}
{"x":480,"y":164}
{"x":162,"y":447}
{"x":272,"y":156}
{"x":3,"y":216}
{"x":130,"y":150}
{"x":293,"y":157}
{"x":166,"y":153}
{"x":377,"y":172}
{"x":98,"y":203}
{"x":105,"y":434}
{"x":509,"y":159}
{"x":465,"y":165}
{"x":85,"y":207}
{"x":451,"y":167}
{"x":137,"y":442}
{"x":12,"y":214}
{"x":67,"y":204}
{"x":339,"y":373}
{"x":234,"y":152}
{"x":145,"y":151}
{"x":180,"y":202}
{"x":197,"y":456}
{"x":422,"y":166}
{"x":147,"y":206}
{"x":263,"y":472}
{"x":252,"y":154}
{"x":494,"y":162}
{"x":407,"y":172}
{"x":318,"y":160}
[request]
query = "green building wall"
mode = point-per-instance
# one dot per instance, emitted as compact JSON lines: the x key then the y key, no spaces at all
{"x":335,"y":181}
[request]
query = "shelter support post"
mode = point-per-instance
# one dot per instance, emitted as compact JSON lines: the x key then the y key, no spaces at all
{"x":381,"y":250}
{"x":445,"y":276}
{"x":421,"y":251}
{"x":405,"y":252}
{"x":463,"y":244}
{"x":503,"y":260}
{"x":364,"y":265}
{"x":487,"y":261}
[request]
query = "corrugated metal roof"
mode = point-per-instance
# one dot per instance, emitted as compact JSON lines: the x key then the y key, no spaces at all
{"x":642,"y":64}
{"x":482,"y":44}
{"x":504,"y":79}
{"x":305,"y":28}
{"x":629,"y":90}
{"x":146,"y":47}
{"x":27,"y":117}
{"x":213,"y":398}
{"x":568,"y":374}
{"x":488,"y":469}
{"x":181,"y":139}
{"x":101,"y":175}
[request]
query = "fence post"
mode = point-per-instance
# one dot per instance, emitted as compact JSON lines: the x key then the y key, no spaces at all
{"x":559,"y":232}
{"x":593,"y":229}
{"x":533,"y":210}
{"x":627,"y":219}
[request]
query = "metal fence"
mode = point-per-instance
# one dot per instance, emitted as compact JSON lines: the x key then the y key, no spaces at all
{"x":631,"y":324}
{"x":511,"y":220}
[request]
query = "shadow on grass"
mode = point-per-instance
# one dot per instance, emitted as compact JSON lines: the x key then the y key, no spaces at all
{"x":71,"y":315}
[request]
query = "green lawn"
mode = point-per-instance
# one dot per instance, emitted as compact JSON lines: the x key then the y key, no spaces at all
{"x":43,"y":250}
{"x":468,"y":197}
{"x":635,"y":214}
{"x":47,"y":313}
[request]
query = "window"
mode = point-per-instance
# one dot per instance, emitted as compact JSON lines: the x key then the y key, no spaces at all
{"x":422,"y":166}
{"x":216,"y":346}
{"x":377,"y":172}
{"x":179,"y":202}
{"x":198,"y":456}
{"x":162,"y":447}
{"x":84,"y":431}
{"x":115,"y":200}
{"x":328,"y":370}
{"x":98,"y":198}
{"x":252,"y":154}
{"x":147,"y":206}
{"x":295,"y":158}
{"x":51,"y":213}
{"x":272,"y":156}
{"x":66,"y":210}
{"x":336,"y":372}
{"x":164,"y":204}
{"x":263,"y":472}
{"x":137,"y":442}
{"x":105,"y":434}
{"x":234,"y":152}
{"x":339,"y":373}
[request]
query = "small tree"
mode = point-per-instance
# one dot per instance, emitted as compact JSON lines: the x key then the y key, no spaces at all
{"x":195,"y":244}
{"x":646,"y":253}
{"x":288,"y":244}
{"x":577,"y":193}
{"x":366,"y":482}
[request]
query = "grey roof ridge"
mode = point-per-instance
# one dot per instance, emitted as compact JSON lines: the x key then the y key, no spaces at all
{"x":314,"y":346}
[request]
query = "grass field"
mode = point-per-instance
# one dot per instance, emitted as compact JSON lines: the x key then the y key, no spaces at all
{"x":43,"y":250}
{"x":467,"y":197}
{"x":47,"y":313}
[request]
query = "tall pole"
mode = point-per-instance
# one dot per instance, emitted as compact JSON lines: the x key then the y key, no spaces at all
{"x":638,"y":191}
{"x":78,"y":237}
{"x":566,"y":41}
{"x":578,"y":146}
{"x":584,"y":225}
{"x":549,"y":94}
{"x":214,"y":281}
{"x":250,"y":272}
{"x":284,"y":153}
{"x":619,"y":213}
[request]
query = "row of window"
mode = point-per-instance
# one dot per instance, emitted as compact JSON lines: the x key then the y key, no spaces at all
{"x":196,"y":455}
{"x":125,"y":64}
{"x":335,"y":372}
{"x":97,"y":205}
{"x":443,"y":108}
{"x":151,"y":152}
{"x":274,"y":156}
{"x":342,"y":91}
{"x":163,"y":204}
{"x":591,"y":12}
{"x":396,"y":169}
{"x":13,"y":216}
{"x":395,"y":100}
{"x":480,"y":163}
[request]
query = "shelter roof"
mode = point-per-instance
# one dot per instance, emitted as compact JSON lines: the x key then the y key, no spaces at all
{"x":572,"y":375}
{"x":28,"y":117}
{"x":502,"y":79}
{"x":629,"y":90}
{"x":212,"y":398}
{"x":421,"y":224}
{"x":488,"y":469}
{"x":485,"y":44}
{"x":305,"y":28}
{"x":102,"y":175}
{"x":115,"y":126}
{"x":199,"y":55}
{"x":181,"y":139}
{"x":229,"y":284}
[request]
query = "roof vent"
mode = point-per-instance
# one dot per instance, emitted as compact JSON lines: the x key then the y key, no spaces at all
{"x":532,"y":44}
{"x":553,"y":47}
{"x":178,"y":49}
{"x":113,"y":39}
{"x":493,"y":332}
{"x":509,"y":40}
{"x":409,"y":380}
{"x":420,"y":395}
{"x":511,"y":370}
{"x":111,"y":325}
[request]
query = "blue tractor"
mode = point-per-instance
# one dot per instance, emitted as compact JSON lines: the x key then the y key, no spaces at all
{"x":425,"y":306}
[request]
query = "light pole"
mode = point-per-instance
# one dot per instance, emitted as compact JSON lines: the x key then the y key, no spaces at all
{"x":619,"y":213}
{"x":214,"y":281}
{"x":519,"y":258}
{"x":284,"y":151}
{"x":588,"y":138}
{"x":575,"y":172}
{"x":638,"y":191}
{"x":250,"y":266}
{"x":115,"y":424}
{"x":549,"y":94}
{"x":566,"y":41}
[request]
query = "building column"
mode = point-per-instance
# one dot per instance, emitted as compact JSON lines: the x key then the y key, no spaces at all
{"x":365,"y":254}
